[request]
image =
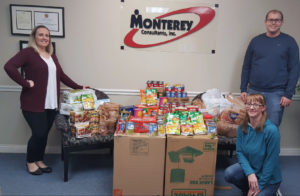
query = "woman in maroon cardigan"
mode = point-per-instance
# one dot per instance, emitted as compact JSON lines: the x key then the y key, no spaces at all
{"x":40,"y":92}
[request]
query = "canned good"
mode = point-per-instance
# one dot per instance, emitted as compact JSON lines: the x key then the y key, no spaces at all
{"x":211,"y":127}
{"x":172,"y":94}
{"x":168,"y":94}
{"x":160,"y":84}
{"x":161,"y":130}
{"x":166,"y":110}
{"x":163,"y":100}
{"x":160,"y":111}
{"x":129,"y":128}
{"x":152,"y":129}
{"x":121,"y":127}
{"x":181,"y":104}
{"x":153,"y":112}
{"x":180,"y":88}
{"x":179,"y":95}
{"x":193,"y":108}
{"x":168,"y":88}
{"x":184,"y":94}
{"x":149,"y":83}
{"x":160,"y":94}
{"x":138,"y":112}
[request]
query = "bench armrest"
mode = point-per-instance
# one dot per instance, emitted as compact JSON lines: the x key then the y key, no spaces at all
{"x":61,"y":123}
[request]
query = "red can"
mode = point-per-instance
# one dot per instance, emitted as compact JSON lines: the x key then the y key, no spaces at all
{"x":161,"y":84}
{"x":168,"y":88}
{"x":149,"y":84}
{"x":138,"y":112}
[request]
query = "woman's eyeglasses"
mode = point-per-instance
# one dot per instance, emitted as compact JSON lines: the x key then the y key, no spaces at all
{"x":254,"y":105}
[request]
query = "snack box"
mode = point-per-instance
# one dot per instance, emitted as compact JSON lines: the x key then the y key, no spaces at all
{"x":85,"y":116}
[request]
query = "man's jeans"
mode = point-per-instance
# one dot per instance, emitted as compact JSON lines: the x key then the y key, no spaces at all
{"x":234,"y":174}
{"x":274,"y":109}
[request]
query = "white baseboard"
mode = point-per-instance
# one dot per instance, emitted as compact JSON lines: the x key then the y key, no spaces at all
{"x":57,"y":150}
{"x":23,"y":148}
{"x":49,"y":150}
{"x":289,"y":152}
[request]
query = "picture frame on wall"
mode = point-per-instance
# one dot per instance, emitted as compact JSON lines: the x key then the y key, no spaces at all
{"x":25,"y":17}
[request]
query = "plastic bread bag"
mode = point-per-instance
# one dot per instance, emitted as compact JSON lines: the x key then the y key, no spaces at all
{"x":226,"y":129}
{"x":197,"y":101}
{"x":110,"y":111}
{"x":233,"y":115}
{"x":235,"y":100}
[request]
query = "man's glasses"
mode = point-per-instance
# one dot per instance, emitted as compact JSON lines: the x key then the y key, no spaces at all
{"x":274,"y":21}
{"x":254,"y":105}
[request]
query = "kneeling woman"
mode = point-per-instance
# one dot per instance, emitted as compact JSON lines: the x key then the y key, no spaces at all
{"x":257,"y":147}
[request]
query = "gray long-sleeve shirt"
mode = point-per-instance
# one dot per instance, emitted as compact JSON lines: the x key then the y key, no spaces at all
{"x":271,"y":64}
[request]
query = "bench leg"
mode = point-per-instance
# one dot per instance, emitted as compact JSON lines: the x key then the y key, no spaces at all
{"x":111,"y":151}
{"x":62,"y":152}
{"x":66,"y":163}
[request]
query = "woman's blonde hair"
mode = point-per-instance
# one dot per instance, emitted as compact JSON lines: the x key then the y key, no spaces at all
{"x":32,"y":42}
{"x":250,"y":99}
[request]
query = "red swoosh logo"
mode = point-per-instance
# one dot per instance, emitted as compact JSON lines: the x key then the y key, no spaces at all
{"x":206,"y":15}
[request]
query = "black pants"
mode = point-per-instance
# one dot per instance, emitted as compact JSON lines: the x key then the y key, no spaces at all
{"x":40,"y":124}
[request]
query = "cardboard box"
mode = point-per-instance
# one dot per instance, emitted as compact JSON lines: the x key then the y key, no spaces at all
{"x":138,"y":165}
{"x":190,"y":165}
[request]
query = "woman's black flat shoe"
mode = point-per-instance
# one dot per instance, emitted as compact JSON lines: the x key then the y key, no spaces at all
{"x":46,"y":169}
{"x":36,"y":172}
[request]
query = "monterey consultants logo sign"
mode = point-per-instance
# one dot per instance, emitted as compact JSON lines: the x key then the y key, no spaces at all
{"x":167,"y":27}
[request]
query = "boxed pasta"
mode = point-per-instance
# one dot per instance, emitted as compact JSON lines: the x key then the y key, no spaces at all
{"x":75,"y":96}
{"x":80,"y":130}
{"x":85,"y":116}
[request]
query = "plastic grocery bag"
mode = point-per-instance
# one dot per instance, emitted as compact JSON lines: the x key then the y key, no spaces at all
{"x":213,"y":99}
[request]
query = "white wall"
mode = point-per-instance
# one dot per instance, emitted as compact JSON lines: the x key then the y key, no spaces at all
{"x":90,"y":54}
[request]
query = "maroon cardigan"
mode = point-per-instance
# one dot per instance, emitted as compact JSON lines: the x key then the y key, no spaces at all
{"x":35,"y":69}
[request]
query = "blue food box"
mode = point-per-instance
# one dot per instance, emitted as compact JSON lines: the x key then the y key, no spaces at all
{"x":129,"y":108}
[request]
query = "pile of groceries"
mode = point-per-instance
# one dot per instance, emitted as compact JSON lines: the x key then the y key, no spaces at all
{"x":88,"y":115}
{"x":166,"y":109}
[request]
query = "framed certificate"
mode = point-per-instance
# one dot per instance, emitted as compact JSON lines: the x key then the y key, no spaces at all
{"x":25,"y":17}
